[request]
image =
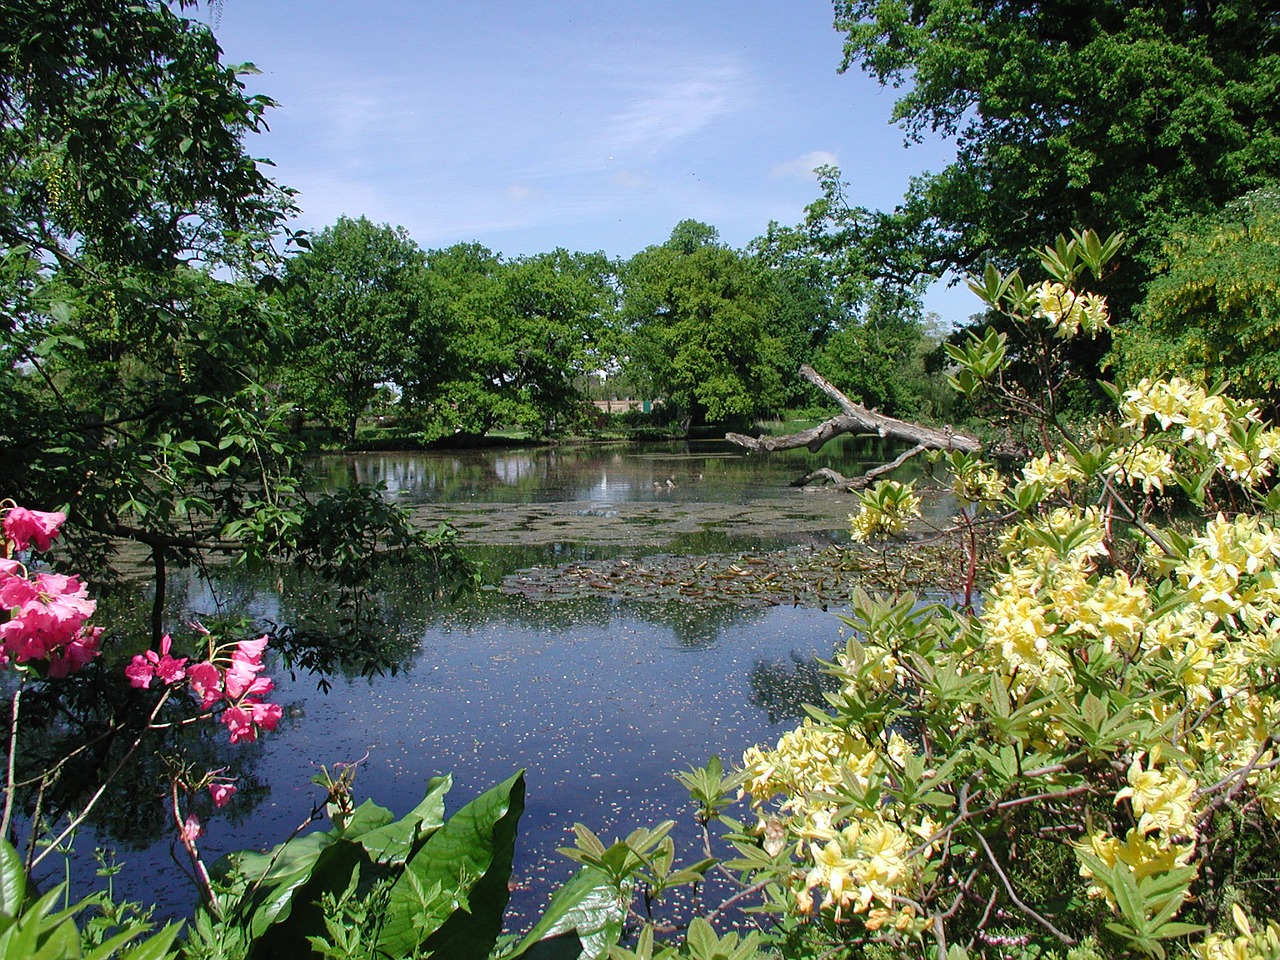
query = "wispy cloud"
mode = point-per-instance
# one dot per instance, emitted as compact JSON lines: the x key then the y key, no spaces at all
{"x":657,"y":106}
{"x":802,"y":167}
{"x":520,"y":192}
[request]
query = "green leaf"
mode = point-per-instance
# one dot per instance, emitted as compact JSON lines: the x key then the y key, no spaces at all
{"x":13,"y":880}
{"x":290,"y":911}
{"x":470,"y":858}
{"x":393,"y":843}
{"x":589,"y":905}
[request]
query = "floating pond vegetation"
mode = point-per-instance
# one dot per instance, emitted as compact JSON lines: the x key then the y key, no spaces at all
{"x":803,"y":576}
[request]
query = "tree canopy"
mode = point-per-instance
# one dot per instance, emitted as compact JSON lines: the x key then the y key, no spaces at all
{"x":701,"y":319}
{"x":1109,"y":114}
{"x":137,"y":323}
{"x":354,"y":303}
{"x":517,"y":337}
{"x":131,"y":373}
{"x":1213,"y":310}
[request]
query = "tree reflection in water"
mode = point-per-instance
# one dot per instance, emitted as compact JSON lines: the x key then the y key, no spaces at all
{"x":782,"y":688}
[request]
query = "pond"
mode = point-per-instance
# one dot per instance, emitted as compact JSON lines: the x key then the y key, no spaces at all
{"x":600,"y":694}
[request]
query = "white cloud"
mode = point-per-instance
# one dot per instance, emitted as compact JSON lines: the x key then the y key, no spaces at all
{"x":802,"y":167}
{"x":629,"y":180}
{"x":521,"y":192}
{"x":658,"y":106}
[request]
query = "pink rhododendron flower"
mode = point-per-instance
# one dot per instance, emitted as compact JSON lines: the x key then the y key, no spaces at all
{"x":239,"y":678}
{"x":267,"y":715}
{"x":222,"y":793}
{"x":235,"y":685}
{"x":47,"y":612}
{"x":24,"y":526}
{"x":139,"y":672}
{"x":144,"y":666}
{"x":251,"y":650}
{"x":191,"y":828}
{"x":64,"y":598}
{"x":240,"y":723}
{"x":76,"y":653}
{"x":17,"y":591}
{"x":206,"y":683}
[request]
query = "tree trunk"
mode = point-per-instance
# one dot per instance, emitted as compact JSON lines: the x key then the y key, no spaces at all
{"x":857,"y":420}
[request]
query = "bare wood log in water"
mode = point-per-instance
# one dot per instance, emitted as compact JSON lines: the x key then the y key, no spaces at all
{"x":866,"y":479}
{"x":857,"y":420}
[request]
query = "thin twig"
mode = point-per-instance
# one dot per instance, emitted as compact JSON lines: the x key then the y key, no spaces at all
{"x":189,"y":842}
{"x":1017,"y":902}
{"x":740,"y":895}
{"x":102,"y":788}
{"x":11,"y":777}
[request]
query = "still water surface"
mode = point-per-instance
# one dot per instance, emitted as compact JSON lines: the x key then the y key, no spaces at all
{"x":599,"y":700}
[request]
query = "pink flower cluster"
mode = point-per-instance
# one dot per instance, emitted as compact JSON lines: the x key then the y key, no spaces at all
{"x":47,"y":612}
{"x":233,"y":685}
{"x":24,"y":527}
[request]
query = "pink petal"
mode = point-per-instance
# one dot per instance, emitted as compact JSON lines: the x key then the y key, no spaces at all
{"x":140,"y":672}
{"x":222,"y":793}
{"x":191,"y":828}
{"x":23,"y":526}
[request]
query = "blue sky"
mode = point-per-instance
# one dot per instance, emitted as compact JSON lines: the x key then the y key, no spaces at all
{"x":588,"y":125}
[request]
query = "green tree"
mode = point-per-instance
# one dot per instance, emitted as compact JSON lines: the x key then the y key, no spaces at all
{"x":1213,"y":310}
{"x":130,"y":375}
{"x":878,"y":359}
{"x":701,"y":321}
{"x":1121,"y":115}
{"x":354,"y":303}
{"x":861,"y":330}
{"x":521,"y":334}
{"x":137,"y":244}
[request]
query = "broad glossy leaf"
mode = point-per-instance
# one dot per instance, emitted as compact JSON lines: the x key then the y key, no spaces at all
{"x":395,"y":842}
{"x":289,"y":912}
{"x":470,"y":856}
{"x":588,"y":905}
{"x":13,"y":880}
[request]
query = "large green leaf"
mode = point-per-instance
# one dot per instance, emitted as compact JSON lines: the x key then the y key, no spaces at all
{"x":290,"y":913}
{"x":462,"y":870}
{"x":588,"y":910}
{"x":394,"y":843}
{"x":278,"y":873}
{"x":13,"y":880}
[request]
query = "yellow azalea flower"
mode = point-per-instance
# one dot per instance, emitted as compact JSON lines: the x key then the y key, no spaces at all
{"x":1056,"y":473}
{"x":1145,"y":856}
{"x":1144,"y":465}
{"x":1161,"y":799}
{"x":886,"y":508}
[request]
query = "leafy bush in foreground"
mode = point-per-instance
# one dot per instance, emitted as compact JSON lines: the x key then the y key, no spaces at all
{"x":1088,"y":760}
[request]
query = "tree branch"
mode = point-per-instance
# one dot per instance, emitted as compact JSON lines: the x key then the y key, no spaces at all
{"x":857,"y":420}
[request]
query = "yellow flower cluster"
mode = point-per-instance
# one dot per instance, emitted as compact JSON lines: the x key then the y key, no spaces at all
{"x":1186,"y":642}
{"x":1143,"y":856}
{"x":977,"y":483}
{"x":886,"y":508}
{"x":1263,"y":945}
{"x":1055,"y":473}
{"x":1142,"y":465}
{"x":1230,"y":429}
{"x":862,"y":862}
{"x":1067,"y":311}
{"x":1160,"y":798}
{"x":809,"y":762}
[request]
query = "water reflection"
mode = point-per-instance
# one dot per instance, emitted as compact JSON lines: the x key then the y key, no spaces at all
{"x":782,"y":688}
{"x":695,"y":471}
{"x":599,"y":699}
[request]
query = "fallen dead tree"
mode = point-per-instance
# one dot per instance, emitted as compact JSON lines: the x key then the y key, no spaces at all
{"x":858,"y":421}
